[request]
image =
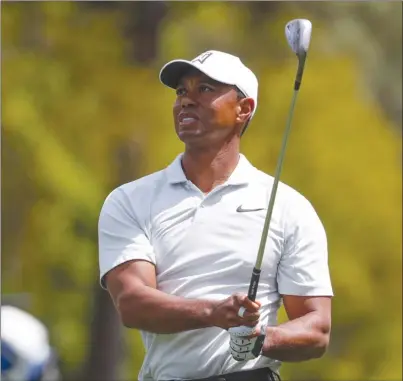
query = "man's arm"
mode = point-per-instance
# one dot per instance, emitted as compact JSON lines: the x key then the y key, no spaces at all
{"x":132,"y":287}
{"x":127,"y":268}
{"x":303,"y":280}
{"x":306,"y":335}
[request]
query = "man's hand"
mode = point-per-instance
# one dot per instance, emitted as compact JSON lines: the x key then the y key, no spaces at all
{"x":246,"y":343}
{"x":225,"y":314}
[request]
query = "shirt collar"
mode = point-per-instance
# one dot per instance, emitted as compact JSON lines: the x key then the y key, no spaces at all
{"x":175,"y":172}
{"x":242,"y":174}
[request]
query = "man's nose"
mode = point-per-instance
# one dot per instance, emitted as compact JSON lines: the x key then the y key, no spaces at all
{"x":187,"y":101}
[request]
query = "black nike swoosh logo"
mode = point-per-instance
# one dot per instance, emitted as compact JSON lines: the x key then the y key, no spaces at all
{"x":241,"y":210}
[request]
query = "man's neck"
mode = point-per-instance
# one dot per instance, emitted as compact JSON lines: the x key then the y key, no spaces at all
{"x":208,"y":169}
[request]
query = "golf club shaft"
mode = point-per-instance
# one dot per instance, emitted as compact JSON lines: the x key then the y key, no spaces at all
{"x":258,"y":265}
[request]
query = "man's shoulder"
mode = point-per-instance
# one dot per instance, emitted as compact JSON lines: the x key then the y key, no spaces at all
{"x":143,"y":185}
{"x":285,"y":192}
{"x":297,"y":209}
{"x":139,"y":190}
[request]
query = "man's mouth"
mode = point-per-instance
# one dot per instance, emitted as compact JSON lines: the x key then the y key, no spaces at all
{"x":186,"y":119}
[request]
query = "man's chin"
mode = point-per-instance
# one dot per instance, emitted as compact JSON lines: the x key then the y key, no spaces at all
{"x":190,"y":135}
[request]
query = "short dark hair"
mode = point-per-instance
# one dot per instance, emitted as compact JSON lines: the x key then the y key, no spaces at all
{"x":240,"y":94}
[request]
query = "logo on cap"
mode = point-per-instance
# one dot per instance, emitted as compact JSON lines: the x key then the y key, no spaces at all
{"x":202,"y":58}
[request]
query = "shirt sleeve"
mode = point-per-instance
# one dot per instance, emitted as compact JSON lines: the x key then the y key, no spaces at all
{"x":121,"y":237}
{"x":303,"y":269}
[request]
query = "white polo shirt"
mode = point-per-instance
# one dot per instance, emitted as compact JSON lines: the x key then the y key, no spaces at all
{"x":203,"y":248}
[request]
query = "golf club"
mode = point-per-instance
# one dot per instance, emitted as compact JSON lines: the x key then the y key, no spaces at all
{"x":298,"y":34}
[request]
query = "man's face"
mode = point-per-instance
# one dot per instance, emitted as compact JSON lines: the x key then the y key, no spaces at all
{"x":206,"y":112}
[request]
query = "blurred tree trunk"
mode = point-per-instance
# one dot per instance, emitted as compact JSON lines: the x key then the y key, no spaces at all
{"x":106,"y":350}
{"x":262,"y":11}
{"x":142,"y":29}
{"x":105,"y":344}
{"x":141,"y":25}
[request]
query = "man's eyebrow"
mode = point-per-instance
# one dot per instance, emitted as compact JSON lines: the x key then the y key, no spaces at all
{"x":206,"y":80}
{"x":210,"y":81}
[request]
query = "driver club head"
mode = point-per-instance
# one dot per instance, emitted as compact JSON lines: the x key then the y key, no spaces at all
{"x":298,"y":33}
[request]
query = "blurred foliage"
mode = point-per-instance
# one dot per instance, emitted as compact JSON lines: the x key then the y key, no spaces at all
{"x":71,"y":99}
{"x":371,"y":32}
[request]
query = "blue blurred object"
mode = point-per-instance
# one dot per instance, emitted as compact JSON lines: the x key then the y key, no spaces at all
{"x":26,"y":354}
{"x":8,"y":357}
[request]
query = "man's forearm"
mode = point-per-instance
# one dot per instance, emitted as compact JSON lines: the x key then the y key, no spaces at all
{"x":152,"y":310}
{"x":297,"y":340}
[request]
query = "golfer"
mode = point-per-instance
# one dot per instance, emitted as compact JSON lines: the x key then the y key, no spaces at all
{"x":177,"y":247}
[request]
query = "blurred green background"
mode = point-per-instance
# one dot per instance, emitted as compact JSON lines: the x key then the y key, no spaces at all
{"x":83,"y":111}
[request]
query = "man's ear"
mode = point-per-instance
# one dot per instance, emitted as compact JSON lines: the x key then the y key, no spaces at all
{"x":246,"y":107}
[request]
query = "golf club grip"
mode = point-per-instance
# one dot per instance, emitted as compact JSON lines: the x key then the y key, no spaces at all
{"x":254,"y":283}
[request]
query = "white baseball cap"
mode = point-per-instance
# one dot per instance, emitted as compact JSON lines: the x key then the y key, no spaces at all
{"x":220,"y":66}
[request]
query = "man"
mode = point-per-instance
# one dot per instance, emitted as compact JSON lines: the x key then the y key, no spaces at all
{"x":177,"y":247}
{"x":26,"y":354}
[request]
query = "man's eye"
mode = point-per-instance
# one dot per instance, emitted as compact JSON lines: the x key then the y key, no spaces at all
{"x":205,"y":89}
{"x":180,"y":92}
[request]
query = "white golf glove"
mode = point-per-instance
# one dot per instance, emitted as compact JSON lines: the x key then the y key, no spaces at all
{"x":246,"y":342}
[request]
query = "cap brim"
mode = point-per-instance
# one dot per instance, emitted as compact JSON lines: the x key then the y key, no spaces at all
{"x":173,"y":71}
